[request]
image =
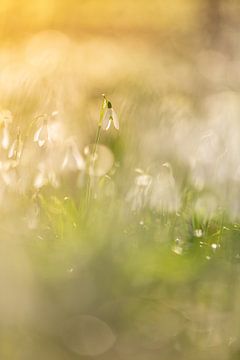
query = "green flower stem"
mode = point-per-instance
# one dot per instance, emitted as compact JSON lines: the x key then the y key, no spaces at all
{"x":91,"y":164}
{"x":94,"y":151}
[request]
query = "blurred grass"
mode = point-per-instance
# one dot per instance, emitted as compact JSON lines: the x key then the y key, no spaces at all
{"x":156,"y":284}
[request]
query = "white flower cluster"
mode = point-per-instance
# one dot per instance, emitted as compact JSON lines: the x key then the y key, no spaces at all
{"x":158,"y":192}
{"x":43,"y":156}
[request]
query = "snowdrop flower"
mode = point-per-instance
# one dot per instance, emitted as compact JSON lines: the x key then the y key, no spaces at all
{"x":110,"y":117}
{"x":45,"y":176}
{"x":5,"y":121}
{"x":164,"y":194}
{"x":139,"y":193}
{"x":56,"y":131}
{"x":15,"y":150}
{"x":50,"y":131}
{"x":41,"y":136}
{"x":73,"y":160}
{"x":143,"y":181}
{"x":8,"y":173}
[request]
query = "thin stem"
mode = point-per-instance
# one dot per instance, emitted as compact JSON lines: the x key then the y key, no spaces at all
{"x":91,"y":164}
{"x":221,"y":228}
{"x":96,"y":142}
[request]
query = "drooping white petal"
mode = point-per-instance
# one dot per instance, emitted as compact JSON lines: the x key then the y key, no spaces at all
{"x":109,"y":123}
{"x":40,"y":180}
{"x":106,"y":122}
{"x":65,"y":161}
{"x":73,"y":160}
{"x":13,"y":150}
{"x":41,"y":135}
{"x":115,"y":120}
{"x":53,"y":179}
{"x":36,"y":135}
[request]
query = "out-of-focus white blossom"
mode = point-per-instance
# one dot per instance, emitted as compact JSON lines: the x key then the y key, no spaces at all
{"x":8,"y":173}
{"x":110,"y":117}
{"x":55,"y":131}
{"x":15,"y":150}
{"x":73,"y":159}
{"x":138,"y":195}
{"x":5,"y":120}
{"x":158,"y":192}
{"x":198,"y":233}
{"x":41,"y":136}
{"x":164,"y":194}
{"x":143,"y":181}
{"x":45,"y":176}
{"x":51,"y":130}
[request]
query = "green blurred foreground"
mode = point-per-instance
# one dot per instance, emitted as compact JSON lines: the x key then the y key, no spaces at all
{"x":128,"y":249}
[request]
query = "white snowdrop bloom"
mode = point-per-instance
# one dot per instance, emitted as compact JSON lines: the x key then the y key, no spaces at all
{"x":53,"y":179}
{"x":139,"y":194}
{"x":198,"y":233}
{"x":41,"y":136}
{"x":143,"y":180}
{"x":164,"y":194}
{"x":51,"y":130}
{"x":55,"y":131}
{"x":110,"y":117}
{"x":45,"y":177}
{"x":16,"y":148}
{"x":5,"y":121}
{"x":40,"y":180}
{"x":10,"y":178}
{"x":8,"y":173}
{"x":73,"y":159}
